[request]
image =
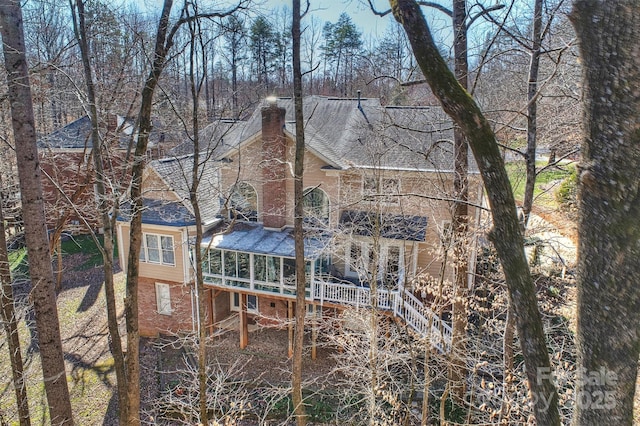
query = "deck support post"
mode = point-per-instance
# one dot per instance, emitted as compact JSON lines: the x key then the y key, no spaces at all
{"x":290,"y":326}
{"x":317,"y":316}
{"x":244,"y":327}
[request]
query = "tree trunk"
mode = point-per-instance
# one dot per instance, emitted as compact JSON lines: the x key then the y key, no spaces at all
{"x":608,"y":337}
{"x":194,"y":87}
{"x":505,"y":235}
{"x":298,"y":340}
{"x":532,"y":112}
{"x":115,"y":342}
{"x":457,"y":368}
{"x":135,"y":233}
{"x":10,"y":323}
{"x":41,"y":273}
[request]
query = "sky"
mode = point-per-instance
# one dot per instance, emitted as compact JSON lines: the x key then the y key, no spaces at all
{"x":325,"y":10}
{"x":371,"y":26}
{"x":361,"y":15}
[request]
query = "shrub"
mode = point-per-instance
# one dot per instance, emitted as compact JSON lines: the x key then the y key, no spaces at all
{"x":566,"y":195}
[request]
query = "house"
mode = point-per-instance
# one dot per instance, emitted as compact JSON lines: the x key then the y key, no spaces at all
{"x":376,"y":182}
{"x":166,"y":299}
{"x":68,"y":173}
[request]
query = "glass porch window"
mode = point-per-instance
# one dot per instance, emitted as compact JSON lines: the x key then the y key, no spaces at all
{"x":266,"y":268}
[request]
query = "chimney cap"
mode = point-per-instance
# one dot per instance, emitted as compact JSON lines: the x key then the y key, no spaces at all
{"x":271,"y":100}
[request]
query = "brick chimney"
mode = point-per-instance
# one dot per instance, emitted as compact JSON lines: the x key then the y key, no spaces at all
{"x":274,"y":169}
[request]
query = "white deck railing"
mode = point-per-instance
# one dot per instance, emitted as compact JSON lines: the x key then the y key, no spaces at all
{"x":424,"y":321}
{"x":402,"y":303}
{"x":350,"y":294}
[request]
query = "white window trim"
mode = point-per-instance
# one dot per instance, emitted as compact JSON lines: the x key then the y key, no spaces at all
{"x":163,"y":299}
{"x":144,"y":250}
{"x":236,"y":308}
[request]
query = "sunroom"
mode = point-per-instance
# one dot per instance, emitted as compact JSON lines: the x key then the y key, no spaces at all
{"x":250,"y":258}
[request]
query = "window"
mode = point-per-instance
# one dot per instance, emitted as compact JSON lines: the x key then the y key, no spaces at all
{"x":361,"y":262}
{"x":289,"y":271}
{"x":385,"y":188}
{"x":244,"y":202}
{"x":213,"y":262}
{"x":316,"y":207}
{"x":252,"y":302}
{"x":163,"y":298}
{"x":391,"y":268}
{"x":266,"y":268}
{"x":237,"y":264}
{"x":157,"y":249}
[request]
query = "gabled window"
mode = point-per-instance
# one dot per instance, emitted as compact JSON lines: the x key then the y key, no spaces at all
{"x":316,"y":207}
{"x":243,"y":202}
{"x":157,"y":249}
{"x":384,"y":189}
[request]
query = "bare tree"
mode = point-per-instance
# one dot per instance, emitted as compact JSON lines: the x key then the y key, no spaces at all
{"x":296,"y":377}
{"x":107,"y":215}
{"x":10,"y":324}
{"x":609,"y":205}
{"x":505,"y":235}
{"x":164,"y":41}
{"x":41,"y":273}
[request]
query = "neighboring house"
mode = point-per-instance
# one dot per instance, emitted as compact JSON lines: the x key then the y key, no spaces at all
{"x":68,"y":178}
{"x":375,"y":179}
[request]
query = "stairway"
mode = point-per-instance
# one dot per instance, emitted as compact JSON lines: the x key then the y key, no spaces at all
{"x":401,"y":303}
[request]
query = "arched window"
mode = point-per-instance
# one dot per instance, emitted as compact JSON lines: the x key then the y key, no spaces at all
{"x":316,"y":207}
{"x":244,"y":202}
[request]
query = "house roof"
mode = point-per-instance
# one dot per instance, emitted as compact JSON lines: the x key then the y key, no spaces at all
{"x":360,"y":133}
{"x":160,"y":212}
{"x":398,"y":227}
{"x":210,"y":137}
{"x":254,"y":238}
{"x":77,"y":134}
{"x":177,"y":173}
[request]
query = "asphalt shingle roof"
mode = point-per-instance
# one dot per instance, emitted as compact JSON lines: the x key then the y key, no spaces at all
{"x":160,"y":212}
{"x":77,"y":135}
{"x":360,"y":133}
{"x":177,"y":172}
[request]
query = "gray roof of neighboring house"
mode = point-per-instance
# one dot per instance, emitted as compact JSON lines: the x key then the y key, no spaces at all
{"x":177,"y":173}
{"x":77,"y":134}
{"x":360,"y":133}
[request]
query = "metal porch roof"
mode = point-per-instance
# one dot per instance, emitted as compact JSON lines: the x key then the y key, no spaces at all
{"x":254,"y":238}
